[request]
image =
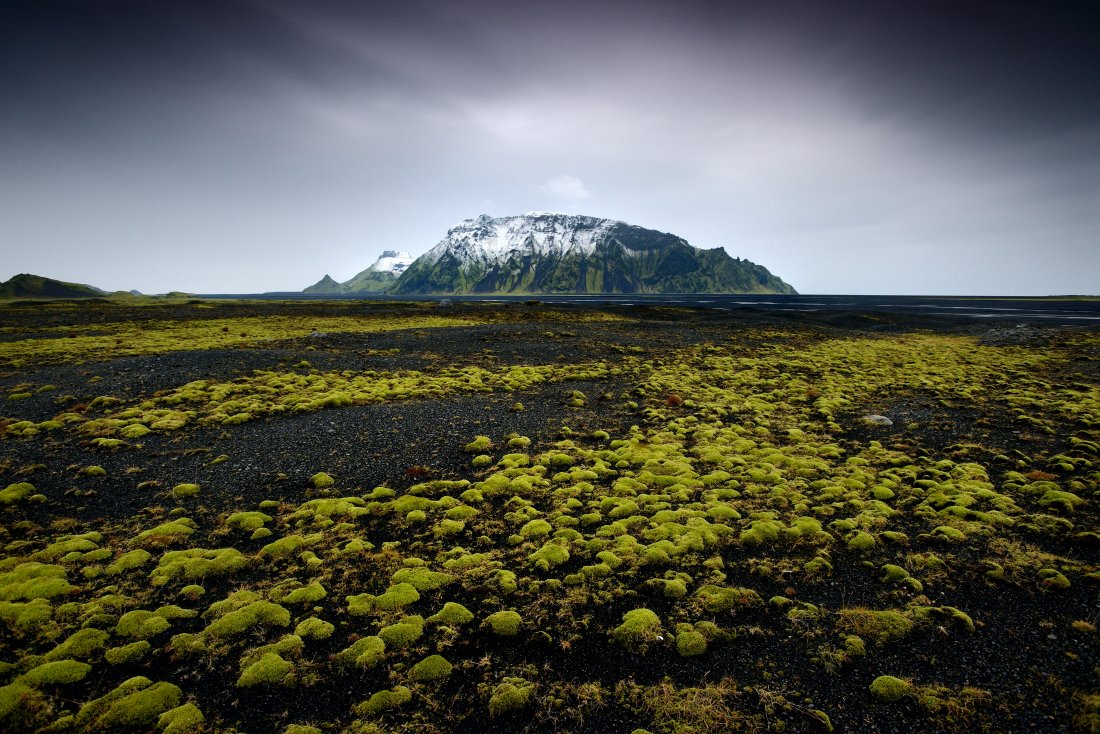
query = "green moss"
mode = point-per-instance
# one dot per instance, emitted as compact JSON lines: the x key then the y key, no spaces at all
{"x":452,"y":614}
{"x":288,"y":545}
{"x":141,"y":624}
{"x":56,"y":673}
{"x":129,"y":561}
{"x":93,"y":471}
{"x":16,"y":493}
{"x":889,"y":689}
{"x":951,"y":615}
{"x":690,"y":643}
{"x":462,"y":513}
{"x":433,"y":667}
{"x":196,"y":564}
{"x":192,"y":592}
{"x":861,"y":541}
{"x":243,"y":620}
{"x":479,"y":445}
{"x":314,"y":629}
{"x":892,"y":574}
{"x":948,"y":534}
{"x":536,"y":529}
{"x":33,"y":580}
{"x":422,"y":579}
{"x":366,"y":652}
{"x":402,"y":634}
{"x":1066,"y":501}
{"x":25,"y":615}
{"x":384,"y":701}
{"x":184,"y":719}
{"x":504,"y":582}
{"x":504,"y":623}
{"x":128,"y":654}
{"x":81,"y":645}
{"x":512,"y":694}
{"x":248,"y":521}
{"x":396,"y":597}
{"x":878,"y":626}
{"x":183,"y":491}
{"x":270,"y":670}
{"x":309,"y":594}
{"x":320,"y":480}
{"x":186,"y":644}
{"x":548,"y":556}
{"x":640,"y":629}
{"x":70,"y":548}
{"x":167,"y":533}
{"x":716,"y":599}
{"x":1051,"y":579}
{"x":22,"y":708}
{"x":134,"y":430}
{"x":673,"y":588}
{"x":137,"y":702}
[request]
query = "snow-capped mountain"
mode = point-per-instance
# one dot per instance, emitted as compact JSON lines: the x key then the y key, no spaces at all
{"x":548,"y":252}
{"x":375,"y":279}
{"x":545,"y":234}
{"x":391,"y":261}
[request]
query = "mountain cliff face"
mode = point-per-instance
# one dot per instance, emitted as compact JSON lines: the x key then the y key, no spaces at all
{"x":542,"y":252}
{"x":378,"y":278}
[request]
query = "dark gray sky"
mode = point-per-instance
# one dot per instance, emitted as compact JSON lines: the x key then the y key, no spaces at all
{"x":850,"y":147}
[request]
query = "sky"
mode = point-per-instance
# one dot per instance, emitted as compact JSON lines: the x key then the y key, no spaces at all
{"x":242,"y":146}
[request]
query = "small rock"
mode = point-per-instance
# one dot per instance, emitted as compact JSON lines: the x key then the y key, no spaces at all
{"x":878,"y":420}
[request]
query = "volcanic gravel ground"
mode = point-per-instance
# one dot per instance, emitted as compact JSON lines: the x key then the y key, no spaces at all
{"x":403,"y":443}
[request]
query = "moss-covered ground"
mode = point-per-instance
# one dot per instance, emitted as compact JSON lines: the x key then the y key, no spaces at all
{"x":354,"y":517}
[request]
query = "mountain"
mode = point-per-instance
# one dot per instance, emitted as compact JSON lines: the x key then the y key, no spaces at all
{"x":545,"y":252}
{"x":378,"y":278}
{"x":325,"y":285}
{"x":26,"y":285}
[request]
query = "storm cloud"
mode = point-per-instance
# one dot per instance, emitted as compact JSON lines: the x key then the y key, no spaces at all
{"x":236,"y":146}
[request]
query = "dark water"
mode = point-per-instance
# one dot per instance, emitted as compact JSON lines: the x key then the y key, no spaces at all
{"x":1003,"y":309}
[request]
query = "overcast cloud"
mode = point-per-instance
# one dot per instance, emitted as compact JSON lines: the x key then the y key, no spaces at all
{"x":849,"y":147}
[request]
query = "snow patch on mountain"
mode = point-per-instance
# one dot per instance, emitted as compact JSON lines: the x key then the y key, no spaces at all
{"x":488,"y":240}
{"x":392,"y":261}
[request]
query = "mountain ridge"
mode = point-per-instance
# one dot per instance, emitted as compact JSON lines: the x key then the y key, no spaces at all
{"x":551,"y":252}
{"x":28,"y":285}
{"x":378,"y":278}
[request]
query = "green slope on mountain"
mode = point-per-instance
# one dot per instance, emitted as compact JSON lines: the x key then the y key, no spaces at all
{"x":326,"y":285}
{"x":26,"y":285}
{"x":370,"y":281}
